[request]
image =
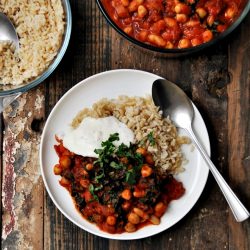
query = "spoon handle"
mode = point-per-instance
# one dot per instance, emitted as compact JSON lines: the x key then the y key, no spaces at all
{"x":7,"y":100}
{"x":239,"y":211}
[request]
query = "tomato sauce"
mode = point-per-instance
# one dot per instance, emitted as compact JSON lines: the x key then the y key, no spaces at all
{"x":172,"y":23}
{"x":124,"y":195}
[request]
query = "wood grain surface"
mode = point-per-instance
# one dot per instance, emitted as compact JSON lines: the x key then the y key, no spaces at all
{"x":217,"y":80}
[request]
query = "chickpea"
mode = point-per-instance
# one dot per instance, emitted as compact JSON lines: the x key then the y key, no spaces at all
{"x":111,"y":220}
{"x":181,"y":18}
{"x":89,"y":166}
{"x":121,"y":11}
{"x":182,"y":8}
{"x":141,"y":151}
{"x":133,"y":6}
{"x":133,"y":218}
{"x":57,"y":169}
{"x":160,"y":209}
{"x":130,"y":227}
{"x":201,"y":12}
{"x":196,"y":41}
{"x":146,"y":170}
{"x":64,"y":182}
{"x":192,"y":23}
{"x":128,"y":29}
{"x":171,"y":22}
{"x":154,"y":220}
{"x":207,"y":35}
{"x":141,"y":213}
{"x":126,"y":194}
{"x":184,"y":43}
{"x":142,"y":11}
{"x":230,"y":12}
{"x":157,"y":40}
{"x":178,"y":8}
{"x":65,"y":161}
{"x":169,"y":45}
{"x":139,"y":193}
{"x":149,"y":159}
{"x":125,"y":3}
{"x":210,"y":20}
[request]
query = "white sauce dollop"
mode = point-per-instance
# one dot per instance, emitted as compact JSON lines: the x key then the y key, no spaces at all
{"x":91,"y":132}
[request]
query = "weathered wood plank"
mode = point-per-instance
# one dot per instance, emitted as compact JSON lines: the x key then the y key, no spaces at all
{"x":239,"y":131}
{"x":22,"y":187}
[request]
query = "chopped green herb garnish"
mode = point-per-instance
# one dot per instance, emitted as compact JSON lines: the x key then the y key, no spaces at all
{"x":122,"y":150}
{"x":116,"y":165}
{"x":142,"y":142}
{"x":151,"y":138}
{"x":98,"y":188}
{"x":130,"y":177}
{"x":91,"y":190}
{"x":98,"y":177}
{"x":109,"y":157}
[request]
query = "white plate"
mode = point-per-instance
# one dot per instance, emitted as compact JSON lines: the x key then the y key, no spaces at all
{"x":111,"y":84}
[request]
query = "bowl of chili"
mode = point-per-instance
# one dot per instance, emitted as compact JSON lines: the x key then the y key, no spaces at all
{"x":174,"y":27}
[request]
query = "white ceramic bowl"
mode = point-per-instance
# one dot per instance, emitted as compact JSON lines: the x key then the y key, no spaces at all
{"x":111,"y":84}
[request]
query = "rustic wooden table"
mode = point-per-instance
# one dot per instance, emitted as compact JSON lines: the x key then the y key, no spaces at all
{"x":217,"y":80}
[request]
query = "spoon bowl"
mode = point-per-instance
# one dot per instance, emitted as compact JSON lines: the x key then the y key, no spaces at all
{"x":174,"y":103}
{"x":8,"y":31}
{"x":178,"y":107}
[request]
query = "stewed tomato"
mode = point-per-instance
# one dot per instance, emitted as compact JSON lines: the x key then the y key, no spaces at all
{"x":173,"y":23}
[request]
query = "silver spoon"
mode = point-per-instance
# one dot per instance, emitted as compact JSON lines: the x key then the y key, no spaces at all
{"x":174,"y":102}
{"x":8,"y":31}
{"x":8,"y":34}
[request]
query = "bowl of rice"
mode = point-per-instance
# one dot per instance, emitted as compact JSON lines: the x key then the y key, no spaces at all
{"x":43,"y":29}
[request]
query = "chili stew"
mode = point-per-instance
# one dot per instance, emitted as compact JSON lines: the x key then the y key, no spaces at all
{"x":172,"y":23}
{"x":121,"y":190}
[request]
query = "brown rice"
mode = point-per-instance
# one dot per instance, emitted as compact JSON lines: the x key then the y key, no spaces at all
{"x":143,"y":117}
{"x":40,"y":27}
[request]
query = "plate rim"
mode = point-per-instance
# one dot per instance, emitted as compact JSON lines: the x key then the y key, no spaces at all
{"x":102,"y":233}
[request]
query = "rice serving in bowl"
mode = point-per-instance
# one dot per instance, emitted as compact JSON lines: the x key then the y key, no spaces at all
{"x":40,"y":26}
{"x":159,"y":135}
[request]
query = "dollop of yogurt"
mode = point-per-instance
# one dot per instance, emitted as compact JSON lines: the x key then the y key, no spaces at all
{"x":91,"y":132}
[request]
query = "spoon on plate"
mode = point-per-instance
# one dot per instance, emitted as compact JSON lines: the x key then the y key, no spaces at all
{"x":8,"y":31}
{"x":174,"y":103}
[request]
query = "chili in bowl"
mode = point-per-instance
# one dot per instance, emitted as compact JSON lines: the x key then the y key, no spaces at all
{"x":174,"y":26}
